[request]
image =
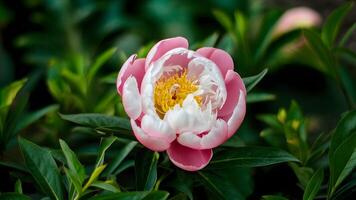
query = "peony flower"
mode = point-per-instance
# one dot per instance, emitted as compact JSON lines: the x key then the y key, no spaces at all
{"x":299,"y":17}
{"x":181,"y":101}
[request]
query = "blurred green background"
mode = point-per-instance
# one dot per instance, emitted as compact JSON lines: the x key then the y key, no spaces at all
{"x":37,"y":34}
{"x":67,"y":55}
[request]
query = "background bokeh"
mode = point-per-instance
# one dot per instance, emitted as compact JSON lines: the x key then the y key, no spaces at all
{"x":55,"y":43}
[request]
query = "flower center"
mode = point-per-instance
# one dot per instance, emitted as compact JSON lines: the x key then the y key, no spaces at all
{"x":172,"y":90}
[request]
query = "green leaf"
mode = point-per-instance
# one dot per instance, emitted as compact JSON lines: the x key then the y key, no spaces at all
{"x":347,"y":35}
{"x":18,"y":186}
{"x":226,"y":43}
{"x":342,"y":152}
{"x":13,"y":115}
{"x":13,"y":196}
{"x":58,"y":155}
{"x":272,"y":120}
{"x":294,"y":112}
{"x":210,"y":41}
{"x":212,"y":186}
{"x":142,"y":53}
{"x":345,"y":54}
{"x":34,"y":116}
{"x":102,"y":105}
{"x":179,"y":196}
{"x":119,"y":157}
{"x":220,"y":188}
{"x":76,"y":173}
{"x":104,"y":57}
{"x":42,"y":167}
{"x":260,"y":97}
{"x":273,"y":197}
{"x":106,"y":186}
{"x":95,"y":120}
{"x":223,"y":19}
{"x":314,"y":185}
{"x":273,"y":138}
{"x":156,"y":195}
{"x":72,"y":161}
{"x":161,"y":195}
{"x":8,"y":93}
{"x":75,"y":81}
{"x":73,"y":179}
{"x":319,"y":147}
{"x":240,"y":40}
{"x":349,"y":84}
{"x":14,"y":166}
{"x":234,"y":141}
{"x":279,"y":44}
{"x":146,"y":169}
{"x":296,"y":139}
{"x":183,"y":182}
{"x":109,"y":78}
{"x":125,"y":165}
{"x":104,"y":145}
{"x":120,"y":133}
{"x":240,"y":24}
{"x":250,"y":157}
{"x":333,"y":22}
{"x":303,"y":174}
{"x":251,"y":81}
{"x":94,"y":176}
{"x":265,"y":35}
{"x":343,"y":161}
{"x":322,"y":52}
{"x":346,"y":190}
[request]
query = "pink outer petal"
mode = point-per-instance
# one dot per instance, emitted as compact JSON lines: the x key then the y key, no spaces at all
{"x":235,"y":119}
{"x":153,"y":143}
{"x":131,"y":98}
{"x":216,"y":136}
{"x":187,"y":158}
{"x":233,"y":84}
{"x":164,"y":46}
{"x":221,"y":58}
{"x":131,"y":67}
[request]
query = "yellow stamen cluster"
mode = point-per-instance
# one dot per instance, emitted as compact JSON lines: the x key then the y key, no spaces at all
{"x":172,"y":90}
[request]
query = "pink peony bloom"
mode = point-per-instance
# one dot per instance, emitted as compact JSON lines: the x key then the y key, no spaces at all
{"x":182,"y":101}
{"x":299,"y":17}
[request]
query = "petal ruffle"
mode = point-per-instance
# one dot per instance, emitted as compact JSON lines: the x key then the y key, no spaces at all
{"x":235,"y":119}
{"x":221,"y":58}
{"x":156,"y":127}
{"x":131,"y":98}
{"x":164,"y":46}
{"x":187,"y":158}
{"x":134,"y":67}
{"x":216,"y":136}
{"x":189,"y":117}
{"x":233,"y":84}
{"x":151,"y":142}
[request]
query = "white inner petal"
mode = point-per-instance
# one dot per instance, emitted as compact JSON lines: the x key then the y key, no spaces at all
{"x":190,"y":117}
{"x":211,"y":83}
{"x":200,"y":71}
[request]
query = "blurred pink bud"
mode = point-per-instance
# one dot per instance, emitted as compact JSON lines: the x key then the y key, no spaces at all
{"x":299,"y":17}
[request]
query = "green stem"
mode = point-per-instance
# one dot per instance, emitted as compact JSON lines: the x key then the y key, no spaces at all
{"x":342,"y":81}
{"x":158,"y":182}
{"x":347,"y":96}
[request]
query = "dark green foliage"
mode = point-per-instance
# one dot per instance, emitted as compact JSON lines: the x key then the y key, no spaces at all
{"x":59,"y":62}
